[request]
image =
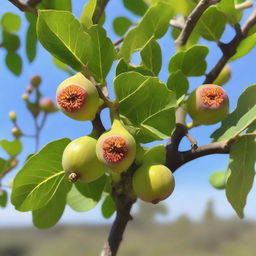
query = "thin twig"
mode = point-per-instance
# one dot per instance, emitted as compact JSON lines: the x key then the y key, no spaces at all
{"x":192,"y":21}
{"x":24,"y":7}
{"x":244,"y":5}
{"x":99,"y":10}
{"x":119,"y":41}
{"x":192,"y":141}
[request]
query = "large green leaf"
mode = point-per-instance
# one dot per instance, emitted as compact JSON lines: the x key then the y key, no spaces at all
{"x":245,"y":47}
{"x":11,"y":22}
{"x":154,"y":23}
{"x":87,"y":14}
{"x":211,"y":25}
{"x":63,"y":36}
{"x":242,"y":167}
{"x":3,"y":198}
{"x":79,"y":202}
{"x":103,"y":53}
{"x":108,"y":207}
{"x":138,"y":7}
{"x":191,"y":62}
{"x":40,"y":178}
{"x":151,"y":56}
{"x":65,"y":5}
{"x":178,"y":83}
{"x":228,"y":8}
{"x":147,"y":103}
{"x":121,"y":25}
{"x":12,"y":148}
{"x":14,"y":63}
{"x":240,"y":118}
{"x":51,"y":213}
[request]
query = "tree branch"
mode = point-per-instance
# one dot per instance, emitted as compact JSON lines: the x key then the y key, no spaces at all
{"x":99,"y":11}
{"x":29,"y":7}
{"x":97,"y":125}
{"x":192,"y":21}
{"x":229,"y":49}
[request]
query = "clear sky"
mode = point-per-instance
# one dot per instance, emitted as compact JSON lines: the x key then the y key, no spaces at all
{"x":192,"y":187}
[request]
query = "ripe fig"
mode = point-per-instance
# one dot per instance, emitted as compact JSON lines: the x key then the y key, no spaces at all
{"x":116,"y":148}
{"x":224,"y":76}
{"x":208,"y":104}
{"x":80,"y":161}
{"x":47,"y":105}
{"x":153,"y":183}
{"x":35,"y":80}
{"x":78,"y":98}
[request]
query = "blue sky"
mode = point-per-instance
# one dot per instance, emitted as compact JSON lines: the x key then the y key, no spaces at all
{"x":192,"y":187}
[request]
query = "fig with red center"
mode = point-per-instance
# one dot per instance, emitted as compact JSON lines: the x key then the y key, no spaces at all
{"x":78,"y":98}
{"x":116,"y":148}
{"x":208,"y":104}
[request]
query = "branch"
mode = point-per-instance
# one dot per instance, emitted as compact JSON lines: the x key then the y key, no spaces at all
{"x":192,"y":21}
{"x":244,"y":5}
{"x":30,"y":7}
{"x":229,"y":49}
{"x":99,"y":11}
{"x":97,"y":125}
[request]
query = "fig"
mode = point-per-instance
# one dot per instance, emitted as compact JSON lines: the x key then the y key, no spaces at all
{"x":218,"y":179}
{"x":78,"y":98}
{"x":208,"y":104}
{"x":153,"y":183}
{"x":16,"y":132}
{"x":12,"y":116}
{"x":224,"y":76}
{"x":47,"y":105}
{"x":79,"y":160}
{"x":116,"y":148}
{"x":35,"y":80}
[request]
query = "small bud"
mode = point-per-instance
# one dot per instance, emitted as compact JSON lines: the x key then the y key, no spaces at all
{"x":35,"y":80}
{"x":12,"y":116}
{"x":25,"y":96}
{"x":16,"y":132}
{"x":47,"y":105}
{"x":29,"y":89}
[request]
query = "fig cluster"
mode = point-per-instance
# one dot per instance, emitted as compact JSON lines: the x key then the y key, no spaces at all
{"x":86,"y":159}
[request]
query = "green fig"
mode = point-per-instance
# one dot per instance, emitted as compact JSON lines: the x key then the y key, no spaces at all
{"x":153,"y":183}
{"x":78,"y":98}
{"x":80,"y":161}
{"x":116,"y":148}
{"x":218,"y":179}
{"x":224,"y":76}
{"x":35,"y":80}
{"x":208,"y":104}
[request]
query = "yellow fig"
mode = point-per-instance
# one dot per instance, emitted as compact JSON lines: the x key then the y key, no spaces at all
{"x":78,"y":98}
{"x":80,"y":161}
{"x":153,"y":183}
{"x":116,"y":148}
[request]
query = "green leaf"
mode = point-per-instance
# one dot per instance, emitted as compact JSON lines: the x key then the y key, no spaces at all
{"x":12,"y":148}
{"x":11,"y":22}
{"x":3,"y":164}
{"x":63,"y":36}
{"x":87,"y":14}
{"x":11,"y":42}
{"x":108,"y":207}
{"x":93,"y":189}
{"x":40,"y":178}
{"x":211,"y":25}
{"x":3,"y":198}
{"x":151,"y":56}
{"x":154,"y":116}
{"x":252,"y":128}
{"x":51,"y":213}
{"x":153,"y":24}
{"x":31,"y":37}
{"x":156,"y":155}
{"x":191,"y":62}
{"x":245,"y":47}
{"x":218,"y":179}
{"x":240,"y":118}
{"x":103,"y":53}
{"x":62,"y":66}
{"x":79,"y":202}
{"x":123,"y":67}
{"x":242,"y":167}
{"x":178,"y":83}
{"x":121,"y":25}
{"x":65,"y":5}
{"x":138,"y":7}
{"x":227,"y":7}
{"x":14,"y":63}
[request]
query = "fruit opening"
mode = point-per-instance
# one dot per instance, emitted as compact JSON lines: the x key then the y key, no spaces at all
{"x":73,"y":177}
{"x":72,"y":98}
{"x":115,"y":149}
{"x":212,"y":96}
